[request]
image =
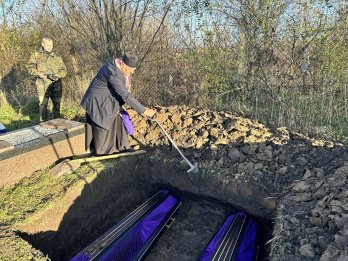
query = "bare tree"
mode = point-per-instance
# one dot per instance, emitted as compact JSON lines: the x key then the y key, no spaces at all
{"x":116,"y":25}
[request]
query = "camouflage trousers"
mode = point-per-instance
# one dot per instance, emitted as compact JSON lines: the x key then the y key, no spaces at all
{"x":54,"y":92}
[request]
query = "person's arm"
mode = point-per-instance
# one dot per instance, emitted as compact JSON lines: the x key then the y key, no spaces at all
{"x":119,"y":86}
{"x":62,"y":71}
{"x":32,"y":66}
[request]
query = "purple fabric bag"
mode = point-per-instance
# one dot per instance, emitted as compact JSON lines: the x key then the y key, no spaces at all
{"x":127,"y":122}
{"x":247,"y":247}
{"x":139,"y":234}
{"x":129,"y":246}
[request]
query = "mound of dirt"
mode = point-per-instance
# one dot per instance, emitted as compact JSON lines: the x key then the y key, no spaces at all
{"x":307,"y":176}
{"x":314,"y":216}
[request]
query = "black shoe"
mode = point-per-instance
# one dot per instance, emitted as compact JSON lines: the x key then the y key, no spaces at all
{"x":128,"y":150}
{"x":132,"y":148}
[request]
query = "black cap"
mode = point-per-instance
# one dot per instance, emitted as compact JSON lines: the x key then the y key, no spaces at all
{"x":130,"y":59}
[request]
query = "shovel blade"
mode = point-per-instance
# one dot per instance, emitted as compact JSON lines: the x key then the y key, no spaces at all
{"x":194,"y":169}
{"x":192,"y":172}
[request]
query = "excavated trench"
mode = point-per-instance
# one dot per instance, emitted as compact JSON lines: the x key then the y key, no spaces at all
{"x":124,"y":185}
{"x":244,"y":164}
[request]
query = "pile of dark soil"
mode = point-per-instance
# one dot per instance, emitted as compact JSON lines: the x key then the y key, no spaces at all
{"x":308,"y":177}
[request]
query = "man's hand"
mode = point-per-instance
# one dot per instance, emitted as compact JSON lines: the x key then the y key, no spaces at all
{"x":149,"y":112}
{"x":41,"y":75}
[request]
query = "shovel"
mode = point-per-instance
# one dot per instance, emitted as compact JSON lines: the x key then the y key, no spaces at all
{"x":193,"y":167}
{"x":67,"y":165}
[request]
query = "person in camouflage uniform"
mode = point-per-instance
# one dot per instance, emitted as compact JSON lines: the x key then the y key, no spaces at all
{"x":48,"y":68}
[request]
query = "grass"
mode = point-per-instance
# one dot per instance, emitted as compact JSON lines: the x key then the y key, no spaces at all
{"x":12,"y":119}
{"x":19,"y":201}
{"x":277,"y":247}
{"x":311,"y":114}
{"x":33,"y":193}
{"x":72,"y":112}
{"x":28,"y":116}
{"x":13,"y":248}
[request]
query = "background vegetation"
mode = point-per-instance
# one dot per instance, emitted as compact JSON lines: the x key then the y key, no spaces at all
{"x":280,"y":61}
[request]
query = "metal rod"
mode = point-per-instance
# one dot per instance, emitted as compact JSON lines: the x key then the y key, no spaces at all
{"x":182,"y":155}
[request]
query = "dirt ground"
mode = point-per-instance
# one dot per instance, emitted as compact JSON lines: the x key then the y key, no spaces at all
{"x":307,"y":176}
{"x":86,"y":211}
{"x":298,"y":182}
{"x":195,"y":224}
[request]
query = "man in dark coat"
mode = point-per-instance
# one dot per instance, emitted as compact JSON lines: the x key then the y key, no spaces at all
{"x":105,"y":132}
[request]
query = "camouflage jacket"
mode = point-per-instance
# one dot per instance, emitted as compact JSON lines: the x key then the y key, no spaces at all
{"x":48,"y":64}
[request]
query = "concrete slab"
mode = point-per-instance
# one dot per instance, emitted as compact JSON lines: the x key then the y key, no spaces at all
{"x":5,"y":146}
{"x":36,"y":148}
{"x":61,"y":124}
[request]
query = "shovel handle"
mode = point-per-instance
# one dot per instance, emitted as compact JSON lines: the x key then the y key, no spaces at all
{"x":165,"y":133}
{"x":112,"y":156}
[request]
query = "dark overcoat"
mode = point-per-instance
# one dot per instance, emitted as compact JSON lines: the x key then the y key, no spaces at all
{"x":106,"y":94}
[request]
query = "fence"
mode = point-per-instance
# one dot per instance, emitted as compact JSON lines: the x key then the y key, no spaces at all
{"x":169,"y":78}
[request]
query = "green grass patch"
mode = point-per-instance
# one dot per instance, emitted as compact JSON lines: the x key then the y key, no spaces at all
{"x":13,"y":248}
{"x":72,"y":112}
{"x":12,"y":119}
{"x":31,"y":194}
{"x":28,"y":115}
{"x":19,"y":201}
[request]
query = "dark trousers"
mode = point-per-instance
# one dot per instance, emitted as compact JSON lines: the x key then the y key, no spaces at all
{"x":54,"y":91}
{"x":102,"y":141}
